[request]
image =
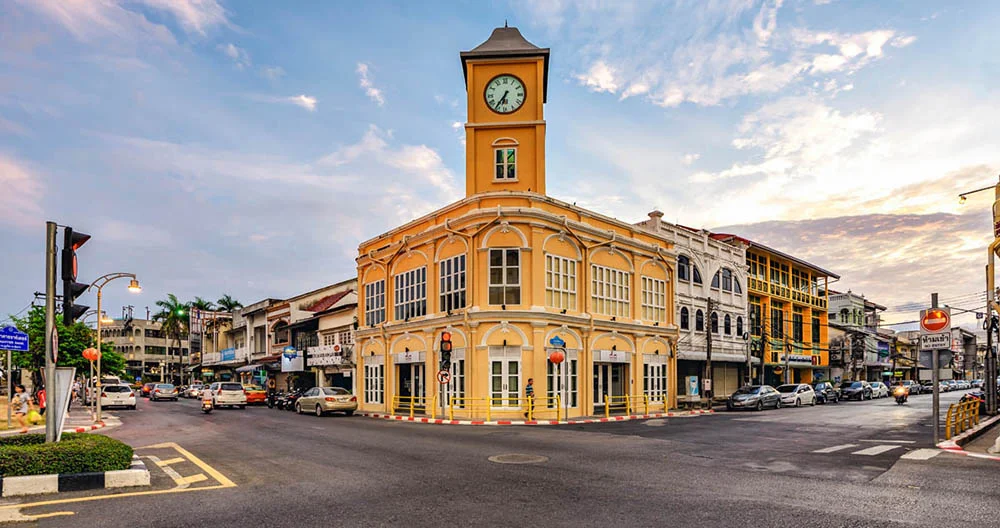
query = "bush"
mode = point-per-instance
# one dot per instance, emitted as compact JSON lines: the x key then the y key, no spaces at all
{"x":75,"y":453}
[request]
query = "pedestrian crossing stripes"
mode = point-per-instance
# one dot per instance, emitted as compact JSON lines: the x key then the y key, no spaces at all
{"x":875,"y":450}
{"x":916,"y":454}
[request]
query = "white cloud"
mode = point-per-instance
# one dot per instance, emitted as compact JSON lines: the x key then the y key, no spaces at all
{"x":373,"y":93}
{"x":89,"y":20}
{"x":304,"y":101}
{"x":688,"y":159}
{"x":599,"y":78}
{"x":239,"y":56}
{"x":20,"y":203}
{"x":902,"y":41}
{"x":195,"y":16}
{"x":272,"y":72}
{"x":766,"y":20}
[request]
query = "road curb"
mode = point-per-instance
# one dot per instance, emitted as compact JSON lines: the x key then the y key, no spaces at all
{"x":136,"y":475}
{"x":955,"y":444}
{"x":445,"y":421}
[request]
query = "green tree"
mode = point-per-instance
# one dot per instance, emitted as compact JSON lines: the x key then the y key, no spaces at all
{"x":173,"y":318}
{"x":202,"y":304}
{"x":72,"y":341}
{"x":228,"y":304}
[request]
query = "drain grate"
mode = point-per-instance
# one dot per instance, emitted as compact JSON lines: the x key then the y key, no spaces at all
{"x":516,"y":458}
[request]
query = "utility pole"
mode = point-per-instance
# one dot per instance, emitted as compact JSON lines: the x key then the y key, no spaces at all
{"x":708,"y":352}
{"x":936,"y":400}
{"x":50,"y":320}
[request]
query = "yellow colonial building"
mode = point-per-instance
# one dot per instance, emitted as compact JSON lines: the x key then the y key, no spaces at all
{"x":514,"y":276}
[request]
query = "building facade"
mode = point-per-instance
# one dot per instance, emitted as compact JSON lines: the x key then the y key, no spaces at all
{"x":787,"y":312}
{"x":708,"y":270}
{"x":870,"y":348}
{"x":516,"y":277}
{"x":149,"y":353}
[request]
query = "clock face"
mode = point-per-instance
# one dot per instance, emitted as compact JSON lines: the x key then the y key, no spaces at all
{"x":505,"y":94}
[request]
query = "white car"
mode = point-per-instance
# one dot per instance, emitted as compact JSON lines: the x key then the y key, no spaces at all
{"x":797,"y":394}
{"x":879,"y":390}
{"x":194,"y":391}
{"x":227,"y":393}
{"x":105,"y":381}
{"x":117,"y":396}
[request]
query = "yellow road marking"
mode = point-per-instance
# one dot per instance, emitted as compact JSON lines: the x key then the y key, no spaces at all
{"x":162,"y":463}
{"x":194,"y":478}
{"x":225,"y":482}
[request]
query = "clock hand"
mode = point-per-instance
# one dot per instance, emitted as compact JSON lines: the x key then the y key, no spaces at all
{"x":503,"y":100}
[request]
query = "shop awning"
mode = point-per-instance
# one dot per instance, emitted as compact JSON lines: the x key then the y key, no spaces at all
{"x":249,"y":368}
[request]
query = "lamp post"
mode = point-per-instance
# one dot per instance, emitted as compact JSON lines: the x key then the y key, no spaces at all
{"x":133,"y":287}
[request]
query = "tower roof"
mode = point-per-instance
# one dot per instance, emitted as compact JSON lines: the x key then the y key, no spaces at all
{"x":507,"y":42}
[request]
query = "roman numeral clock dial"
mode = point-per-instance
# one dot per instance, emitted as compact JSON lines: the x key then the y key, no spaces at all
{"x":504,"y":94}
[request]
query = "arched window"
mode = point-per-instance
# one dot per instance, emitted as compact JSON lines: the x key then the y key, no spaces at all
{"x":715,"y":323}
{"x":683,"y":268}
{"x":736,"y":286}
{"x":727,"y":280}
{"x":699,"y":321}
{"x":715,"y":280}
{"x":685,"y":319}
{"x":696,"y":275}
{"x":739,"y":326}
{"x":727,"y":325}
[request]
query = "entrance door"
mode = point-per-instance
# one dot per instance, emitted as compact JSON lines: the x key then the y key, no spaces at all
{"x":411,"y":383}
{"x":505,"y":377}
{"x":610,"y":379}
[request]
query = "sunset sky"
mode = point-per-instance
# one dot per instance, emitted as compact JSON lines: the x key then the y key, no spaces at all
{"x":247,"y":148}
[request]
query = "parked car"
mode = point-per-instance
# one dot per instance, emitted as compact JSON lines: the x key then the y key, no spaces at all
{"x":117,"y":396}
{"x":856,"y":390}
{"x":797,"y":394}
{"x":755,"y":397}
{"x":105,"y":381}
{"x":163,"y":391}
{"x":194,"y":391}
{"x":227,"y":393}
{"x":977,"y":383}
{"x":826,"y":392}
{"x":255,"y":394}
{"x":321,"y":400}
{"x":147,"y":389}
{"x":927,"y":386}
{"x":879,"y":390}
{"x":944,"y":386}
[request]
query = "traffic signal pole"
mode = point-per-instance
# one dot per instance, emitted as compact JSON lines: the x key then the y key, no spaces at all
{"x":50,"y":317}
{"x":935,"y":381}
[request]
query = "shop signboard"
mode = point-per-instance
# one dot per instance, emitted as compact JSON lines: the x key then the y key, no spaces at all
{"x":292,"y":360}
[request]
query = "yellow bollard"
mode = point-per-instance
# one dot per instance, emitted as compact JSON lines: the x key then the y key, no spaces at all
{"x":607,"y":407}
{"x":434,"y":406}
{"x":489,"y":408}
{"x":411,"y":406}
{"x":948,"y":422}
{"x":451,"y":408}
{"x":558,"y":407}
{"x":645,"y":402}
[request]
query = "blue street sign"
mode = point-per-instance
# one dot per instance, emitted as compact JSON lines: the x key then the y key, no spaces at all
{"x":13,"y":339}
{"x":557,"y":342}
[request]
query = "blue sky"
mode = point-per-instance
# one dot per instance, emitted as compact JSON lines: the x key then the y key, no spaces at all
{"x":247,"y":147}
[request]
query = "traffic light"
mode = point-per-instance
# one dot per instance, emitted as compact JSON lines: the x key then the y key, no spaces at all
{"x":445,"y":350}
{"x":71,"y":289}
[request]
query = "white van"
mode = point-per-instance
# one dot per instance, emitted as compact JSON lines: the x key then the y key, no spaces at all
{"x":105,"y":381}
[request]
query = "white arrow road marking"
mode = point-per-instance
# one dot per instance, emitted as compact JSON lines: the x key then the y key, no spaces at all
{"x":922,"y":454}
{"x":835,"y":448}
{"x":877,"y":450}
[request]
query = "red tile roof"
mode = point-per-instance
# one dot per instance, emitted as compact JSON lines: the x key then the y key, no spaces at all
{"x":326,"y":302}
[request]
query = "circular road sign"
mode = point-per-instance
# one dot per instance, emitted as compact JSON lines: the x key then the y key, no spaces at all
{"x":444,"y":377}
{"x":935,"y":320}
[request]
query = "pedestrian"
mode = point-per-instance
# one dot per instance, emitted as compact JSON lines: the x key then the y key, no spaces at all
{"x":76,"y":391}
{"x":529,"y":393}
{"x":41,"y":400}
{"x":21,"y":404}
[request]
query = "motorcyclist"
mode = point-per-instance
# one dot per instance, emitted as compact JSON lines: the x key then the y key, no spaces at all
{"x":901,"y":390}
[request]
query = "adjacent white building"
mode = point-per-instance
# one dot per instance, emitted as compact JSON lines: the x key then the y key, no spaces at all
{"x":708,"y":269}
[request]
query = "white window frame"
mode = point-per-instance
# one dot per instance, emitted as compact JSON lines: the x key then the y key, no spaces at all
{"x":374,"y":379}
{"x":410,"y":299}
{"x":329,"y":339}
{"x":556,"y":378}
{"x":610,"y":290}
{"x":655,"y":377}
{"x":505,"y":164}
{"x":560,"y":282}
{"x":375,"y":302}
{"x":654,"y":299}
{"x":456,"y":385}
{"x":345,"y":337}
{"x":503,"y":285}
{"x":451,"y":282}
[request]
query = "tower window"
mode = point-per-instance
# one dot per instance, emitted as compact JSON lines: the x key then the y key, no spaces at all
{"x":506,"y":162}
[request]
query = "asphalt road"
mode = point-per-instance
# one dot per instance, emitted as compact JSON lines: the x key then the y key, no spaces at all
{"x":850,"y":464}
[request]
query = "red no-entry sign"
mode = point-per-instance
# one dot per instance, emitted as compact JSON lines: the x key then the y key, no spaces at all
{"x":444,"y":377}
{"x":935,"y":320}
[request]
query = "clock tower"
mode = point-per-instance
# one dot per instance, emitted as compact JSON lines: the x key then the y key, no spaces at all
{"x":506,"y":79}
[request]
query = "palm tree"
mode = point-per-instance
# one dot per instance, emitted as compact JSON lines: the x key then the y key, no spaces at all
{"x":202,"y":304}
{"x":173,"y":318}
{"x":228,"y":304}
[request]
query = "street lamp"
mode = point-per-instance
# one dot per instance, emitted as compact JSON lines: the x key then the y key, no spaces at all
{"x":99,"y":284}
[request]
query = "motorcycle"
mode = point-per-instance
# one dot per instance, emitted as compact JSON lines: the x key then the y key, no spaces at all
{"x":291,"y":398}
{"x":900,"y":393}
{"x":206,"y":406}
{"x":274,"y":399}
{"x":978,"y":396}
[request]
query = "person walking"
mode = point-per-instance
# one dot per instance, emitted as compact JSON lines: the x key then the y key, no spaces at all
{"x":41,"y":400}
{"x":21,"y":404}
{"x":529,"y":393}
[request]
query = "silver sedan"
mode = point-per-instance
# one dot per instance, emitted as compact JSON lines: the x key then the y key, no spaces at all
{"x":321,"y":400}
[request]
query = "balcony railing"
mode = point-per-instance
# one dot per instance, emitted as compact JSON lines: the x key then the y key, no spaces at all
{"x":784,"y":292}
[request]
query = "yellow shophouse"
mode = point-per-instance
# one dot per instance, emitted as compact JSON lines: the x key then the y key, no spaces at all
{"x":514,"y":275}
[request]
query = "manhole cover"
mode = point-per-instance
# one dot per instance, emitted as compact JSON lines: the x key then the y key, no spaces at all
{"x":518,"y":459}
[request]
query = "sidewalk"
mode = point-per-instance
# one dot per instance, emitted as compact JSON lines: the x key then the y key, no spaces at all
{"x":985,"y":441}
{"x":79,"y":420}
